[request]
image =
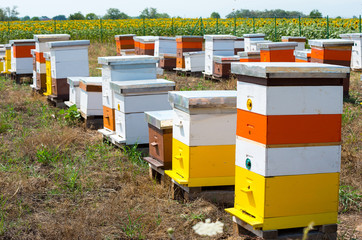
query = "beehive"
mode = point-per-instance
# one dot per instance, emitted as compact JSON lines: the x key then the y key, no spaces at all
{"x":249,"y":38}
{"x":160,"y":136}
{"x":41,"y":47}
{"x":68,"y":59}
{"x":203,"y":147}
{"x":217,"y":45}
{"x":7,"y":58}
{"x":165,"y":45}
{"x":32,"y":52}
{"x":144,"y":45}
{"x":74,"y":91}
{"x":2,"y":58}
{"x":333,"y":51}
{"x":356,"y":59}
{"x":238,"y":45}
{"x":277,"y":51}
{"x":90,"y":99}
{"x":123,"y":68}
{"x":299,"y":40}
{"x":48,"y":74}
{"x":302,"y":55}
{"x":222,"y":65}
{"x":132,"y":99}
{"x":194,"y":61}
{"x":288,"y":143}
{"x":255,"y":47}
{"x":186,"y":44}
{"x":21,"y":58}
{"x":124,"y":42}
{"x":249,"y":56}
{"x":167,"y":61}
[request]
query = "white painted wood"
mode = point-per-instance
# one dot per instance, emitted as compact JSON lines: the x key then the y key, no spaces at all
{"x":209,"y":58}
{"x":219,"y":44}
{"x":288,"y":161}
{"x":255,"y":47}
{"x":248,"y":40}
{"x":40,"y":67}
{"x":91,"y":103}
{"x":129,"y":72}
{"x":165,"y":45}
{"x":142,"y":103}
{"x":69,"y":69}
{"x":239,"y":43}
{"x":22,"y":65}
{"x":356,"y":58}
{"x":74,"y":95}
{"x":290,"y":100}
{"x":194,"y":61}
{"x":132,"y":127}
{"x":204,"y":129}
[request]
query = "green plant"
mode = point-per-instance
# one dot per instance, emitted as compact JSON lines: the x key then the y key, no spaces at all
{"x":349,"y":198}
{"x":349,"y":115}
{"x":134,"y":155}
{"x":47,"y":155}
{"x":71,"y":115}
{"x":133,"y":228}
{"x":72,"y":178}
{"x":2,"y":214}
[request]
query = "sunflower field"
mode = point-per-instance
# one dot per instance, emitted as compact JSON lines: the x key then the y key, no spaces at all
{"x":104,"y":30}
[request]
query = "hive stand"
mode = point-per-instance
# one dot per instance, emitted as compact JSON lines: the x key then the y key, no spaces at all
{"x":92,"y":122}
{"x":55,"y":102}
{"x":323,"y":232}
{"x":19,"y":78}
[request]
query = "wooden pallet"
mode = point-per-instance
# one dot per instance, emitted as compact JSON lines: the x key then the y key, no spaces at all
{"x":157,"y":170}
{"x":19,"y":78}
{"x":217,"y":194}
{"x":54,"y":101}
{"x":107,"y":138}
{"x":186,"y":73}
{"x":324,"y":232}
{"x":92,"y":122}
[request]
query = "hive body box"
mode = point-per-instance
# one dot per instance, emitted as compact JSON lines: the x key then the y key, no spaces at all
{"x":48,"y":72}
{"x":277,"y":51}
{"x":90,"y":99}
{"x":302,"y":55}
{"x":41,"y":47}
{"x":2,"y":58}
{"x":165,"y":45}
{"x":203,"y":145}
{"x":68,"y":59}
{"x":124,"y":43}
{"x":333,"y":51}
{"x":222,"y":65}
{"x":132,"y":99}
{"x":194,"y":61}
{"x":299,"y":40}
{"x":238,"y":45}
{"x":7,"y":58}
{"x":255,"y":47}
{"x":74,"y":91}
{"x":21,"y":59}
{"x":288,"y":143}
{"x":249,"y":56}
{"x":217,"y":45}
{"x":167,"y":61}
{"x":186,"y":44}
{"x":160,"y":136}
{"x":356,"y":59}
{"x":144,"y":45}
{"x":123,"y":68}
{"x":249,"y":38}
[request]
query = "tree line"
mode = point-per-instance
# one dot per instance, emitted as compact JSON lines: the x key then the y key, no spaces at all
{"x":11,"y":14}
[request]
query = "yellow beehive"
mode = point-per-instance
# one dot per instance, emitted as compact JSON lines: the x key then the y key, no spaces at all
{"x":7,"y":58}
{"x":48,"y":72}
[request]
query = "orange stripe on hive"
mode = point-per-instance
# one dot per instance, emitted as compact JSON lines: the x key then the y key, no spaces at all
{"x":149,"y":46}
{"x":285,"y":55}
{"x":189,"y":45}
{"x":39,"y":56}
{"x":332,"y":54}
{"x":23,"y":51}
{"x":109,"y":118}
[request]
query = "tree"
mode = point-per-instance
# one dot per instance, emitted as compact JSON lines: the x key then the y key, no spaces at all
{"x":60,"y":17}
{"x":114,"y":13}
{"x":9,"y":14}
{"x":315,"y":14}
{"x":25,"y":18}
{"x":215,"y":15}
{"x":76,"y":16}
{"x":35,"y":19}
{"x":245,"y":13}
{"x":152,"y":13}
{"x":91,"y":16}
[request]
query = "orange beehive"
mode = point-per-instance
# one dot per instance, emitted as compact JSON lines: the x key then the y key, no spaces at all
{"x":302,"y":55}
{"x":144,"y":45}
{"x":124,"y":41}
{"x":277,"y":51}
{"x":249,"y":56}
{"x":186,"y":44}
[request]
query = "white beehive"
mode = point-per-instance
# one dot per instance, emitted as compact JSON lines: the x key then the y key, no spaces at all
{"x":21,"y":58}
{"x":165,"y":45}
{"x":132,"y":99}
{"x":217,"y":45}
{"x":255,"y":47}
{"x":74,"y":91}
{"x":239,"y":45}
{"x":194,"y":61}
{"x":356,"y":59}
{"x":249,"y":38}
{"x":299,"y":40}
{"x":90,"y":102}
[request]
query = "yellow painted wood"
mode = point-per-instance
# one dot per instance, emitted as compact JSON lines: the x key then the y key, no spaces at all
{"x":7,"y":61}
{"x":48,"y":78}
{"x":204,"y":165}
{"x":284,"y":196}
{"x":2,"y":64}
{"x":284,"y":222}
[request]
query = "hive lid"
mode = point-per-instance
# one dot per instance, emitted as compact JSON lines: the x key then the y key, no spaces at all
{"x":124,"y":35}
{"x":73,"y":43}
{"x":202,"y":99}
{"x":330,"y":42}
{"x":292,"y":38}
{"x":51,"y":37}
{"x":289,"y":70}
{"x":194,"y":53}
{"x":254,"y":35}
{"x":160,"y":119}
{"x":303,"y":53}
{"x":134,"y":86}
{"x":219,"y":37}
{"x":73,"y":81}
{"x":269,"y":45}
{"x":22,"y":41}
{"x":166,"y":38}
{"x":91,"y":80}
{"x":226,"y":58}
{"x":259,"y":42}
{"x":7,"y":46}
{"x":148,"y":39}
{"x":248,"y":54}
{"x":135,"y":59}
{"x":351,"y":35}
{"x":190,"y":38}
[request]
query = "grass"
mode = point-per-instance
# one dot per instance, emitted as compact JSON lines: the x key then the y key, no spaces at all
{"x":60,"y":181}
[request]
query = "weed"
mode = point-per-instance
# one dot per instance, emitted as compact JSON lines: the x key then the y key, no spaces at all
{"x":349,"y":115}
{"x":194,"y":216}
{"x":349,"y":199}
{"x":71,"y":115}
{"x":72,"y":179}
{"x":3,"y":201}
{"x":134,"y":155}
{"x":133,"y":229}
{"x":47,"y":155}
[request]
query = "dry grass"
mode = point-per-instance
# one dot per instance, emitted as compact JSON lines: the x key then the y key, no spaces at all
{"x":61,"y":182}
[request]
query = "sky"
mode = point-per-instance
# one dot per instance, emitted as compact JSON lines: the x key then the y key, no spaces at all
{"x":182,"y":8}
